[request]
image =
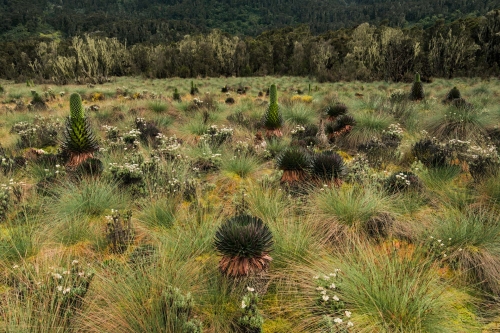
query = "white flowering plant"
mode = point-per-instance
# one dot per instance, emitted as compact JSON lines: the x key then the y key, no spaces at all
{"x":130,"y":174}
{"x":242,"y":148}
{"x":8,"y":163}
{"x":56,"y":172}
{"x":378,"y":152}
{"x":112,"y":133}
{"x":127,"y":173}
{"x":207,"y":159}
{"x":401,"y":182}
{"x":251,"y":320}
{"x":131,"y":137}
{"x":119,"y":231}
{"x":10,"y":194}
{"x":5,"y":201}
{"x":329,"y":303}
{"x":393,"y":135}
{"x":440,"y":248}
{"x":482,"y":162}
{"x":358,"y":170}
{"x":41,"y":133}
{"x":298,"y":130}
{"x":169,"y":148}
{"x":215,"y":136}
{"x":59,"y":291}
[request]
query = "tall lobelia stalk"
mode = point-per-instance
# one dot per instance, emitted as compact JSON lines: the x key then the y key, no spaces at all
{"x":417,"y":90}
{"x":273,"y":119}
{"x":79,"y":142}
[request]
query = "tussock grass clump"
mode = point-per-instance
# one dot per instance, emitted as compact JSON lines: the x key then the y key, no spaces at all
{"x":439,"y":177}
{"x":141,"y":302}
{"x":393,"y":289}
{"x":19,"y":242}
{"x":159,"y":213}
{"x":157,"y":106}
{"x":299,"y":114}
{"x":368,"y":125}
{"x":354,"y":210}
{"x":459,"y":121}
{"x":398,"y":292}
{"x":276,"y":146}
{"x":44,"y":299}
{"x":90,"y":197}
{"x":241,"y":165}
{"x":267,"y":202}
{"x":490,"y":188}
{"x":469,"y":241}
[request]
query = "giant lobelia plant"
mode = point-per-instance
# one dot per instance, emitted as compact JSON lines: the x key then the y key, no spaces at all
{"x":273,"y":119}
{"x":79,"y":142}
{"x":244,"y":242}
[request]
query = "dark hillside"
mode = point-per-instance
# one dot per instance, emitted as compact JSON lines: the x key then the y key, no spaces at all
{"x":157,"y":21}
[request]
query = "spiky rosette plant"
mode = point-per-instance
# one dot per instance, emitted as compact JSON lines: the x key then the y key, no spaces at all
{"x":79,"y":142}
{"x":341,"y":126}
{"x":244,"y":242}
{"x":454,"y":93}
{"x":431,"y":153}
{"x":328,"y":166}
{"x":335,"y":110}
{"x":295,"y":163}
{"x":461,"y":103}
{"x":273,"y":119}
{"x":417,"y":90}
{"x":177,"y":96}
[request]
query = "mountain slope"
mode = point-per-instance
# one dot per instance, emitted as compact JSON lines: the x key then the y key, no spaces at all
{"x":160,"y":20}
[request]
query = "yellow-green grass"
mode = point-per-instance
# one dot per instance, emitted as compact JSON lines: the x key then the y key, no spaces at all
{"x":316,"y":229}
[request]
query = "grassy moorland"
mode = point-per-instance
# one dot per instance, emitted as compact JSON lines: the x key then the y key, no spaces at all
{"x":363,"y":210}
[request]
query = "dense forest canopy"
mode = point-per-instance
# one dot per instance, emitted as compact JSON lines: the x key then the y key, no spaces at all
{"x":81,"y":41}
{"x":164,"y":20}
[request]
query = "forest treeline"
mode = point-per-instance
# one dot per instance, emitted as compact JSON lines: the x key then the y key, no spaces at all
{"x":465,"y":47}
{"x":159,"y":21}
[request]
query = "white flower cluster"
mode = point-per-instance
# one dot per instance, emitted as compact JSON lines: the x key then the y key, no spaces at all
{"x":132,"y":169}
{"x":329,"y":297}
{"x":457,"y":144}
{"x":168,"y":144}
{"x":140,"y":121}
{"x":243,"y":303}
{"x":11,"y":184}
{"x":323,"y":290}
{"x":403,"y":178}
{"x":111,"y":132}
{"x":217,"y":136}
{"x":298,"y":129}
{"x":488,"y":152}
{"x":394,"y":130}
{"x":439,"y":247}
{"x":212,"y":156}
{"x":197,"y":101}
{"x":241,"y":147}
{"x":133,"y":133}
